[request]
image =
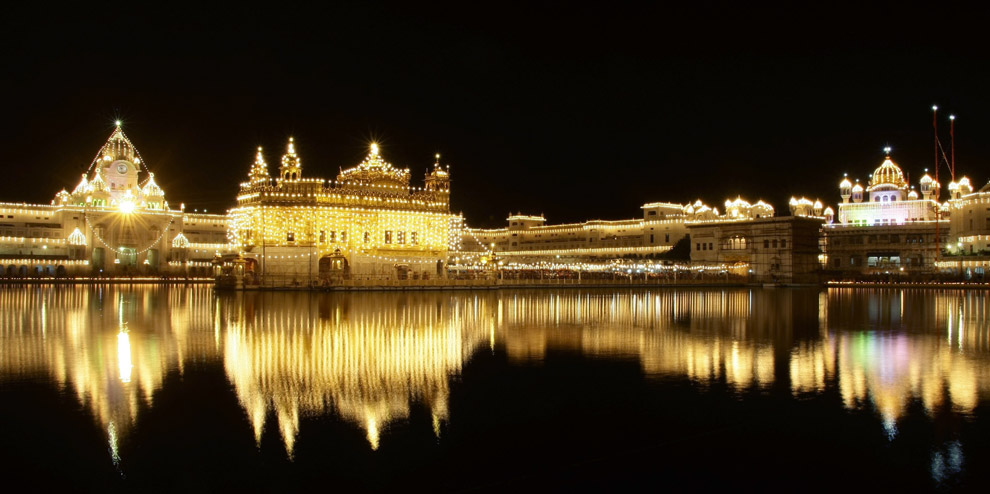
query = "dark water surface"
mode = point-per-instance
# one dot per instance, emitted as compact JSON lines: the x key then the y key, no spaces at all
{"x":175,"y":388}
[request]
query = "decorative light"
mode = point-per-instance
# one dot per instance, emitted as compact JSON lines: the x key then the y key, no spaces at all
{"x":126,"y":206}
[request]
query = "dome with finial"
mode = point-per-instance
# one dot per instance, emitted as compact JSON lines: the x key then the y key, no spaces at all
{"x":888,"y":174}
{"x":290,"y":158}
{"x":151,"y":188}
{"x":63,"y":197}
{"x":259,"y":169}
{"x":375,"y":171}
{"x":83,"y":186}
{"x":118,"y":148}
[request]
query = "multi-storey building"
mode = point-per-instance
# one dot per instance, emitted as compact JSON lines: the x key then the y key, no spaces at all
{"x":528,"y":238}
{"x":115,"y":221}
{"x":968,"y":250}
{"x":782,"y":249}
{"x":369,"y":223}
{"x":886,"y":227}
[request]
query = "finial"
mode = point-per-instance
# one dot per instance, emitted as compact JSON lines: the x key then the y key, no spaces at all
{"x":934,"y":107}
{"x":886,"y":150}
{"x":118,"y":122}
{"x":952,"y":117}
{"x":374,"y":149}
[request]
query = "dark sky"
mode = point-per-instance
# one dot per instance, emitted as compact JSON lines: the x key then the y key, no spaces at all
{"x":575,"y":112}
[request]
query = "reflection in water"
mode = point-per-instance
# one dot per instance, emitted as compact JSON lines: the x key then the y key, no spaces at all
{"x":112,"y":346}
{"x":365,"y":354}
{"x":370,"y":356}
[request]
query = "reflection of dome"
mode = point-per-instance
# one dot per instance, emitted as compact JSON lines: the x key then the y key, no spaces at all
{"x":888,"y":174}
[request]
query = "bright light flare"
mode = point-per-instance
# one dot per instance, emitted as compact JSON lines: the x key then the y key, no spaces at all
{"x":126,"y":207}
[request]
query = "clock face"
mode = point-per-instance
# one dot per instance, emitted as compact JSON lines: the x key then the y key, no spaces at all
{"x":121,"y":168}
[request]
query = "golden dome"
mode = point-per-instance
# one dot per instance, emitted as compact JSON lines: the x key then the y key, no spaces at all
{"x":888,"y":173}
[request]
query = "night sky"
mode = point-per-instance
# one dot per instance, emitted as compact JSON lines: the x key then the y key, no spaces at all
{"x":577,"y":113}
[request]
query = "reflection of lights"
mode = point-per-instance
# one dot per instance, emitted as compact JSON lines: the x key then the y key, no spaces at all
{"x":373,"y":434}
{"x":114,"y":452}
{"x":124,"y":355}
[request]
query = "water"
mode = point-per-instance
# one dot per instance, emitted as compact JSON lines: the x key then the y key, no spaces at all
{"x":175,"y":388}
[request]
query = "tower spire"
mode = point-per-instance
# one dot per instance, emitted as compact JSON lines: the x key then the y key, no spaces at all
{"x":291,"y":168}
{"x":259,"y":170}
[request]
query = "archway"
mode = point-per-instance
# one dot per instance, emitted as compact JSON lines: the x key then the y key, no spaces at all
{"x":60,"y":271}
{"x":334,"y":267}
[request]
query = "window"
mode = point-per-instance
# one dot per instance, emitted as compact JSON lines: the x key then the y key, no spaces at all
{"x":333,"y":236}
{"x":766,"y":244}
{"x":413,"y":238}
{"x":323,"y":237}
{"x":367,"y":237}
{"x":783,"y":243}
{"x":388,"y":237}
{"x":697,"y":246}
{"x":343,"y":236}
{"x":774,"y":243}
{"x":666,"y":237}
{"x":651,"y":237}
{"x":290,"y":237}
{"x":711,"y":246}
{"x":402,"y":237}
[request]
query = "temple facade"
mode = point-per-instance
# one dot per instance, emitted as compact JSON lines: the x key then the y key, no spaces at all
{"x":886,"y":227}
{"x":115,"y":222}
{"x":369,"y":223}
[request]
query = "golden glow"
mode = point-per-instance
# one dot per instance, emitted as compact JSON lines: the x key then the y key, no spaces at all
{"x":126,"y":206}
{"x":124,"y":356}
{"x":369,"y":357}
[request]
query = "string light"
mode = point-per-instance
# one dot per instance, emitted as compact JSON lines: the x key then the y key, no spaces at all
{"x":117,"y":250}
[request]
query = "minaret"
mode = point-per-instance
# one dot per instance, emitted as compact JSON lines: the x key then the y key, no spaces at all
{"x":439,"y":178}
{"x":291,"y":168}
{"x":845,"y":189}
{"x":259,"y":170}
{"x":927,"y":186}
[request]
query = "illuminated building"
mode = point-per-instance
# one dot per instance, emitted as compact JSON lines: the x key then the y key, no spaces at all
{"x":368,"y":224}
{"x":886,"y":227}
{"x":115,"y":221}
{"x":783,"y":249}
{"x":529,"y":238}
{"x":968,"y":250}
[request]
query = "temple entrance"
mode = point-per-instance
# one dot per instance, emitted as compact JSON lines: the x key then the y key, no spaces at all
{"x":334,"y":268}
{"x":127,"y":256}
